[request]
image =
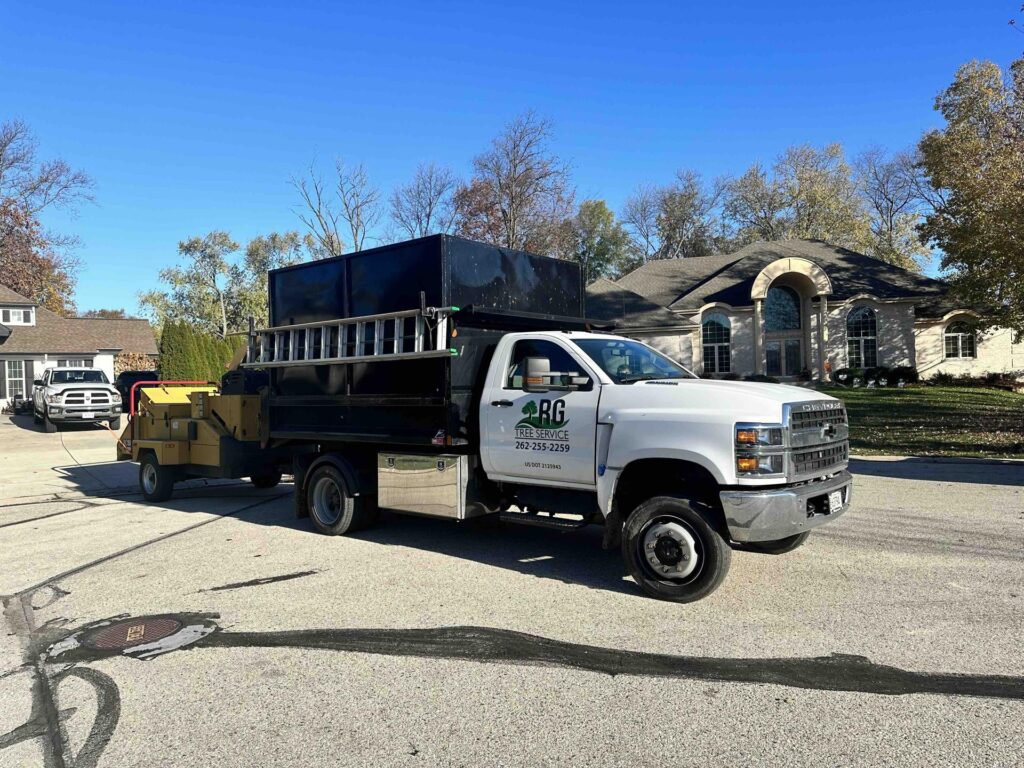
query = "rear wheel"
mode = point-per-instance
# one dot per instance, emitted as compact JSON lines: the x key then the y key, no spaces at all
{"x":156,"y":481}
{"x":672,"y":551}
{"x":778,"y":546}
{"x":333,"y":508}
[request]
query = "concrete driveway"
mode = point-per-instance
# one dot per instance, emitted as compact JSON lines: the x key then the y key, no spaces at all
{"x":892,"y":637}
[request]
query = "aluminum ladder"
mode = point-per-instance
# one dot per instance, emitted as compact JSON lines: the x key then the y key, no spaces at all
{"x":407,"y":335}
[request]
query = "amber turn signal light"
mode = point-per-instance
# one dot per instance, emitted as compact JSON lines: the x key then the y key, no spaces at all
{"x":746,"y":436}
{"x":746,"y":464}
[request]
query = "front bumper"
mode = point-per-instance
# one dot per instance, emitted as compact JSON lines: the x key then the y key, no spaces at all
{"x":775,"y":513}
{"x":77,"y":413}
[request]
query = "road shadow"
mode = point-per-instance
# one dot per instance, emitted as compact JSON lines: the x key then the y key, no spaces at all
{"x":26,"y":422}
{"x":980,"y":472}
{"x":570,"y":557}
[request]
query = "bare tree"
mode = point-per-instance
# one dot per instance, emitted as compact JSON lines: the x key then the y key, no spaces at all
{"x":37,"y":184}
{"x":360,"y":202}
{"x":892,"y":190}
{"x":531,"y":187}
{"x":318,"y":212}
{"x":351,"y":201}
{"x":425,"y":206}
{"x":678,"y":220}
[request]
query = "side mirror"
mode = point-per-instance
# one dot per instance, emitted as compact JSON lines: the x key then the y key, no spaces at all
{"x":539,"y":377}
{"x":38,"y":382}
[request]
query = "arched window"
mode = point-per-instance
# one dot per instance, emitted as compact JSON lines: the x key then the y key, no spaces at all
{"x":960,"y":340}
{"x":715,"y":336}
{"x":782,"y":309}
{"x":861,"y":338}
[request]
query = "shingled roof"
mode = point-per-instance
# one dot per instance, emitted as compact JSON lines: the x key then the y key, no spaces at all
{"x":688,"y":284}
{"x":53,"y":334}
{"x":628,"y":310}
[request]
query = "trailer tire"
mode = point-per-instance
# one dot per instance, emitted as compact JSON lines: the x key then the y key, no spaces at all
{"x":333,"y":508}
{"x":155,"y":481}
{"x":266,"y":479}
{"x":778,"y":546}
{"x":668,"y":535}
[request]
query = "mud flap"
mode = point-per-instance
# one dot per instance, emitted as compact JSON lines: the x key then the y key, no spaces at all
{"x":612,"y":528}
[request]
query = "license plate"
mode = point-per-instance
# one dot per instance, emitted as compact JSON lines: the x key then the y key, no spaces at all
{"x":835,"y":501}
{"x":88,"y":415}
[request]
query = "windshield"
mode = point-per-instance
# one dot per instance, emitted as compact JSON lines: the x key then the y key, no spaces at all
{"x":628,"y":361}
{"x":79,"y":377}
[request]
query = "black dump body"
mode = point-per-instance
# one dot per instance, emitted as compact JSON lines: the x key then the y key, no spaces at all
{"x":426,"y":401}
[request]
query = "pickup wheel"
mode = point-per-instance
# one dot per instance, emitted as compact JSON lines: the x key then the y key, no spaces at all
{"x":333,"y":508}
{"x":36,"y":418}
{"x":672,"y":551}
{"x":115,"y":424}
{"x":778,"y":546}
{"x":155,"y":481}
{"x":48,"y":426}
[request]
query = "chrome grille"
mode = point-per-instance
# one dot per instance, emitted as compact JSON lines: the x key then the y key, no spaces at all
{"x":820,"y":459}
{"x":87,"y":397}
{"x":817,"y":438}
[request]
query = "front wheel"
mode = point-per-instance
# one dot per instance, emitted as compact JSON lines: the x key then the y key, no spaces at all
{"x":672,"y":551}
{"x":156,"y":482}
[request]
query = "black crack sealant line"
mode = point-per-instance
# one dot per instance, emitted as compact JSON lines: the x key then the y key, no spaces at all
{"x":148,"y":637}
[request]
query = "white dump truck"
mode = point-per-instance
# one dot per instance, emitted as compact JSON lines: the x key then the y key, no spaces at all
{"x":452,"y":379}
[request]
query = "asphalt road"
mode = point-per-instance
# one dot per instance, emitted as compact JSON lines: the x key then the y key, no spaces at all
{"x":893,"y":637}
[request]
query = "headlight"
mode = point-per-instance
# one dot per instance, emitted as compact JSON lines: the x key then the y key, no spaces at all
{"x":53,"y":399}
{"x":755,"y":435}
{"x":760,"y":450}
{"x":754,"y":465}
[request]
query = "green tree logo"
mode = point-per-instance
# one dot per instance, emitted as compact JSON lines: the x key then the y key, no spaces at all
{"x":532,"y":418}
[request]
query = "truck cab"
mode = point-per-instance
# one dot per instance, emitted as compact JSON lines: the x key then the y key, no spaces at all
{"x":688,"y":466}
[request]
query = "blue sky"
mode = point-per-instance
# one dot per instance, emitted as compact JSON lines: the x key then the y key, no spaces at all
{"x":193,"y":116}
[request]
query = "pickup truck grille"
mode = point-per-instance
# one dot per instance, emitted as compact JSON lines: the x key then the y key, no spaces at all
{"x":815,"y":419}
{"x":822,"y":458}
{"x":87,"y":397}
{"x":818,"y":439}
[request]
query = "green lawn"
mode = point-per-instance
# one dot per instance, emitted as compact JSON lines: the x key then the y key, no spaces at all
{"x":934,"y":421}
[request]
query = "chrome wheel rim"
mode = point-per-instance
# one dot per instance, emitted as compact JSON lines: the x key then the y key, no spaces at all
{"x":328,"y":501}
{"x":149,"y":478}
{"x":670,"y":550}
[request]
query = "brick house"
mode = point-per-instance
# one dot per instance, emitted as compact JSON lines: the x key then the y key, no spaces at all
{"x":32,"y":338}
{"x":799,"y":308}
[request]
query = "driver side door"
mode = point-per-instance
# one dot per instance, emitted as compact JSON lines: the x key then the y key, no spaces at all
{"x":541,"y":436}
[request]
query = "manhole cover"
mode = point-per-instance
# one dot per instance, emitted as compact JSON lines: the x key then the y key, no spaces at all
{"x":126,"y":634}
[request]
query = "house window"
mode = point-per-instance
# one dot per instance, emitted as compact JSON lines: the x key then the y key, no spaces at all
{"x":15,"y":378}
{"x":782,"y":309}
{"x":960,"y":340}
{"x":75,"y":363}
{"x":715,"y":331}
{"x":861,"y":338}
{"x":16,"y":316}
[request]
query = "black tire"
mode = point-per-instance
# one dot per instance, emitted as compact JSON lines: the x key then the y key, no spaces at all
{"x":779,"y":546}
{"x":266,"y":479}
{"x":155,"y":481}
{"x":688,"y":535}
{"x":48,"y":426}
{"x":115,"y":424}
{"x":332,"y":507}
